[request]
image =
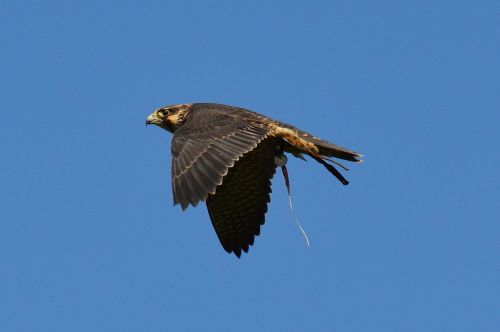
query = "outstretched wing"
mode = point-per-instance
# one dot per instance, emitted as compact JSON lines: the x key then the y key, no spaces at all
{"x":206,"y":147}
{"x":238,"y":208}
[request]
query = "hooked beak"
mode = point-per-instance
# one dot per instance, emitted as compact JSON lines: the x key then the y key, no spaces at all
{"x":152,"y":119}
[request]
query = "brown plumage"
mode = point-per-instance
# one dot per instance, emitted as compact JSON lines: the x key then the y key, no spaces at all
{"x":225,"y":155}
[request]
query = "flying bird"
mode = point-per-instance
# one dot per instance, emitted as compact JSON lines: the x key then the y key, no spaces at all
{"x":227,"y":157}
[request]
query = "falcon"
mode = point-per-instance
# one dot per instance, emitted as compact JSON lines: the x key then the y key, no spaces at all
{"x":227,"y":157}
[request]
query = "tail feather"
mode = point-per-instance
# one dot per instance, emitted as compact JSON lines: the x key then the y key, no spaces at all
{"x":326,"y":150}
{"x":330,"y":149}
{"x":333,"y":150}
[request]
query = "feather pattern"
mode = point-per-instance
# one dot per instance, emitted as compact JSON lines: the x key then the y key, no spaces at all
{"x":205,"y":147}
{"x":238,"y":208}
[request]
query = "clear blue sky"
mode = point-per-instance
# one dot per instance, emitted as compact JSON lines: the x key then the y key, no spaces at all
{"x":89,"y":240}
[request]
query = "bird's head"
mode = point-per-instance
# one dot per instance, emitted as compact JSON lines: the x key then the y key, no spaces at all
{"x":169,"y":117}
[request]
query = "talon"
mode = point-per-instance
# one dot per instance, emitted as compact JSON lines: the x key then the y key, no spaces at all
{"x":280,"y":160}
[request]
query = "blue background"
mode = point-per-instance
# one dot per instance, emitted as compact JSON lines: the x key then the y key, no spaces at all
{"x":89,"y":240}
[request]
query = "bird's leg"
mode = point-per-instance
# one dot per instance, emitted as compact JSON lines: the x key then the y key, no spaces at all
{"x":287,"y":180}
{"x":285,"y":175}
{"x":281,"y":160}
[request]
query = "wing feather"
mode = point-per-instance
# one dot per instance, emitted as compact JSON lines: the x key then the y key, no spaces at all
{"x":238,"y":208}
{"x":205,"y":147}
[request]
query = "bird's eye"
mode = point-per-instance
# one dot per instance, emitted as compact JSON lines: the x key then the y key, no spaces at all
{"x":163,"y":112}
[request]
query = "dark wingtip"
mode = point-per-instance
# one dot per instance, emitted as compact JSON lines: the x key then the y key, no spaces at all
{"x":332,"y":170}
{"x":237,"y":252}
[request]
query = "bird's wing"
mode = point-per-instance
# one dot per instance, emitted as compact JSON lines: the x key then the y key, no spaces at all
{"x":238,"y":208}
{"x":205,"y":148}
